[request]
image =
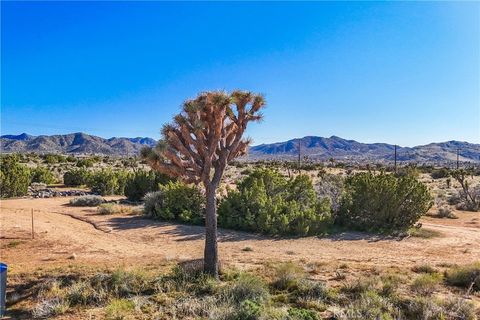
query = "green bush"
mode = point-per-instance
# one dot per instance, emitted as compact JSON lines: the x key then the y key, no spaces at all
{"x":269,"y":203}
{"x":176,"y":201}
{"x":14,"y":177}
{"x":302,"y":314}
{"x":440,"y":173}
{"x":142,"y":182}
{"x":54,"y":158}
{"x":42,"y":175}
{"x":76,"y":177}
{"x":108,"y":182}
{"x":383,"y":202}
{"x":85,"y":163}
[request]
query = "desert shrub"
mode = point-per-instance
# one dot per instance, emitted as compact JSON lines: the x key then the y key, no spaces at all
{"x":112,"y":208}
{"x":426,"y":283}
{"x":313,"y":290}
{"x":389,"y":283}
{"x":119,"y":309}
{"x":424,"y":268}
{"x":371,"y":306}
{"x":246,"y":287}
{"x":288,"y":276}
{"x":458,"y":308}
{"x":108,"y":182}
{"x":445,"y":212}
{"x":142,"y":182}
{"x":331,"y":187}
{"x":187,"y":276}
{"x":267,"y":202}
{"x":54,"y":158}
{"x":123,"y":283}
{"x":469,"y":195}
{"x":302,"y":314}
{"x":81,"y":293}
{"x":383,"y":202}
{"x":360,"y":286}
{"x":426,"y":308}
{"x":14,"y":177}
{"x":176,"y":201}
{"x":87,"y":201}
{"x":85,"y":163}
{"x":440,"y":173}
{"x":48,"y":308}
{"x":42,"y":175}
{"x":76,"y":177}
{"x":464,"y":276}
{"x":122,"y":178}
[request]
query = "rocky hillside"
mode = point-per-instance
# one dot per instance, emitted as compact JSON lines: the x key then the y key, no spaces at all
{"x":319,"y":148}
{"x":80,"y":143}
{"x":315,"y":148}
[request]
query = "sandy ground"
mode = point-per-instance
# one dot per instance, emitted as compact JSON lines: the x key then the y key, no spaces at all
{"x":67,"y":235}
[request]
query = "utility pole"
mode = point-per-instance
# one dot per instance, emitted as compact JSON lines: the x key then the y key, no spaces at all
{"x":299,"y":155}
{"x":33,"y":229}
{"x":458,"y":163}
{"x":395,"y":157}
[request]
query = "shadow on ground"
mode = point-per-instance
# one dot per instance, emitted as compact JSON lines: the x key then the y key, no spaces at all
{"x":184,"y":232}
{"x":181,"y":232}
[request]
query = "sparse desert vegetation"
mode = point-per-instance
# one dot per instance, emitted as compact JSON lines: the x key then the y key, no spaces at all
{"x":159,"y":228}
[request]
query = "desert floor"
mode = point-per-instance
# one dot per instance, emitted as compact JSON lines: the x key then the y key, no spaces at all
{"x":71,"y":235}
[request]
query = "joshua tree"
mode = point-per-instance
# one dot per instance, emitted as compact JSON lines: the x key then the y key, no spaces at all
{"x":469,"y":194}
{"x":198,"y":145}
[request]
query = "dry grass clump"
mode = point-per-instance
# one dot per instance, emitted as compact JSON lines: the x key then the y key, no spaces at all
{"x":424,"y":268}
{"x":426,"y":283}
{"x":424,"y":233}
{"x":467,"y":276}
{"x":433,"y":308}
{"x":119,"y":309}
{"x":87,"y":201}
{"x":288,"y":276}
{"x":113,"y":208}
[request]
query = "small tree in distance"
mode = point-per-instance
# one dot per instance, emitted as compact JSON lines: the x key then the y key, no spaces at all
{"x":198,"y":145}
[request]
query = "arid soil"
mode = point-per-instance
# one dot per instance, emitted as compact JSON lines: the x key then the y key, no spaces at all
{"x":67,"y":235}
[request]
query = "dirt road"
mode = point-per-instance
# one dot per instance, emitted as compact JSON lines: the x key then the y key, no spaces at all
{"x":124,"y":239}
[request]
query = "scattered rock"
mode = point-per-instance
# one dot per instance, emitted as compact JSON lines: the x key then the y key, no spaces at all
{"x":73,"y":256}
{"x":50,"y":193}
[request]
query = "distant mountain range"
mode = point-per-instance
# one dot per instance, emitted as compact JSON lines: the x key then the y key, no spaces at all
{"x":78,"y":143}
{"x":314,"y":148}
{"x":319,"y":148}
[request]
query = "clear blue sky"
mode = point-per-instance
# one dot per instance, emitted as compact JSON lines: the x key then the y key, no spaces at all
{"x":397,"y":72}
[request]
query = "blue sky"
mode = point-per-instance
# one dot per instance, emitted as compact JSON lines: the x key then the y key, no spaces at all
{"x":397,"y":72}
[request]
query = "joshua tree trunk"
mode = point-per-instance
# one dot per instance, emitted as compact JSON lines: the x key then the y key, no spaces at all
{"x":211,"y":248}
